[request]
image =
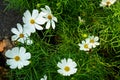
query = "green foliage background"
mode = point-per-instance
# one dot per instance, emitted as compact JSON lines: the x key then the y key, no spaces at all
{"x":50,"y":46}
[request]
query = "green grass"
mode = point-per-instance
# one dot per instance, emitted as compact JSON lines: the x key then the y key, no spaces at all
{"x":100,"y":64}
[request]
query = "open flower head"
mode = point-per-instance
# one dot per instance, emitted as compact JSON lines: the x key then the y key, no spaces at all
{"x":20,"y":34}
{"x":44,"y":78}
{"x":107,"y":3}
{"x":50,"y":19}
{"x":33,"y":21}
{"x":85,"y":45}
{"x":17,"y":57}
{"x":93,"y":40}
{"x":67,"y":67}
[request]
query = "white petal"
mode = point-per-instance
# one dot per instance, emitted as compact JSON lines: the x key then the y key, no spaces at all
{"x":14,"y":37}
{"x":55,"y":19}
{"x":20,"y":65}
{"x":15,"y":51}
{"x":83,"y":42}
{"x":25,"y":63}
{"x":94,"y":46}
{"x":29,"y":42}
{"x":42,"y":14}
{"x":112,"y":1}
{"x":45,"y":78}
{"x":64,"y":61}
{"x":60,"y":65}
{"x":35,"y":13}
{"x":9,"y":54}
{"x":81,"y":48}
{"x":44,"y":10}
{"x":53,"y":24}
{"x":25,"y":56}
{"x":48,"y":9}
{"x":19,"y":26}
{"x":71,"y":63}
{"x":96,"y":38}
{"x":38,"y":27}
{"x":13,"y":66}
{"x":69,"y":60}
{"x":27,"y":14}
{"x":29,"y":28}
{"x":40,"y":20}
{"x":26,"y":32}
{"x":60,"y":71}
{"x":48,"y":25}
{"x":12,"y":63}
{"x":24,"y":20}
{"x":97,"y":43}
{"x":15,"y":31}
{"x":73,"y":71}
{"x":22,"y":50}
{"x":79,"y":44}
{"x":21,"y":40}
{"x":28,"y":55}
{"x":103,"y":4}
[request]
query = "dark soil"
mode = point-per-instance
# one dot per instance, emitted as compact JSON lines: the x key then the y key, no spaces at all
{"x":8,"y":20}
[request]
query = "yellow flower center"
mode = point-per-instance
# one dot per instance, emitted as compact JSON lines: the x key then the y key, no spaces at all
{"x":17,"y":58}
{"x":67,"y":68}
{"x":49,"y":17}
{"x":86,"y":46}
{"x":108,"y":3}
{"x":92,"y":41}
{"x":21,"y":35}
{"x":32,"y":21}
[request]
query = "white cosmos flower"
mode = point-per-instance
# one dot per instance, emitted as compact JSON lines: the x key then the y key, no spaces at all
{"x":20,"y":34}
{"x":17,"y":57}
{"x":93,"y":40}
{"x":67,"y":67}
{"x":85,"y":45}
{"x":33,"y":21}
{"x":44,"y":78}
{"x":107,"y":3}
{"x":50,"y":19}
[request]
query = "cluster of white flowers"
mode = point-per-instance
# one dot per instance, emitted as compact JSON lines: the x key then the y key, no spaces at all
{"x":33,"y":22}
{"x":89,"y":43}
{"x":17,"y":57}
